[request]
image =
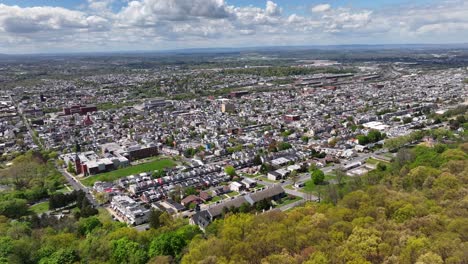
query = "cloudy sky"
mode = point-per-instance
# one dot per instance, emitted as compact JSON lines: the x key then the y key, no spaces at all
{"x":31,"y":26}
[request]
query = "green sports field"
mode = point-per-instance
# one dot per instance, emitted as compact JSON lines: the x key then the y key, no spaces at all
{"x":131,"y":170}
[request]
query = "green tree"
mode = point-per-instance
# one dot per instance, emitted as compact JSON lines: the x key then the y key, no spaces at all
{"x":87,"y":225}
{"x":167,"y":244}
{"x":62,"y":256}
{"x":230,"y":170}
{"x":13,"y":208}
{"x":318,"y":177}
{"x":127,"y":251}
{"x":154,"y":218}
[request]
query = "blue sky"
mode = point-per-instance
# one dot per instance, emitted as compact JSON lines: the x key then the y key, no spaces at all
{"x":29,"y":26}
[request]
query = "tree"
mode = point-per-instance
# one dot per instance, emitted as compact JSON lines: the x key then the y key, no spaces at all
{"x":363,"y":140}
{"x":244,"y":208}
{"x":263,"y":205}
{"x":294,"y":176}
{"x":374,"y":136}
{"x":257,"y":160}
{"x":13,"y":208}
{"x":167,"y":244}
{"x":318,"y":177}
{"x":429,"y":258}
{"x":230,"y":170}
{"x":340,"y":175}
{"x":127,"y":251}
{"x":70,"y":168}
{"x":154,"y":218}
{"x":62,"y":256}
{"x":87,"y":225}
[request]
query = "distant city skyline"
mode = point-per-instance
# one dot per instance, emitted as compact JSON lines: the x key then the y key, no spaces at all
{"x":40,"y":26}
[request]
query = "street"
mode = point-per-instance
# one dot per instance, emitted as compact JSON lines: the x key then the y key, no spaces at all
{"x":77,"y":185}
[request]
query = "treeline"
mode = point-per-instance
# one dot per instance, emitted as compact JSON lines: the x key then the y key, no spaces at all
{"x":95,"y":239}
{"x":398,"y":142}
{"x":284,"y":71}
{"x":411,"y":211}
{"x":32,"y":177}
{"x":76,"y":199}
{"x":372,"y":137}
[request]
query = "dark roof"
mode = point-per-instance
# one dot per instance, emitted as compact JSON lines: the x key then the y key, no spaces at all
{"x":177,"y":206}
{"x":190,"y":199}
{"x":217,"y":209}
{"x":202,"y":219}
{"x":266,"y":193}
{"x":275,"y":173}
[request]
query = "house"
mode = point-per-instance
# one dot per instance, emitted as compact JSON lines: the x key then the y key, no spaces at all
{"x":128,"y":209}
{"x":273,"y":176}
{"x":205,"y":217}
{"x":236,"y":186}
{"x":171,"y":206}
{"x":205,"y":196}
{"x":249,"y":183}
{"x":191,"y":199}
{"x":280,"y":162}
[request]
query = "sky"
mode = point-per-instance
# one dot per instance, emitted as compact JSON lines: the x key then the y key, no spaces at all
{"x":52,"y":26}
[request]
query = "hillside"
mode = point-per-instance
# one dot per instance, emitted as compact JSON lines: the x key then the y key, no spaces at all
{"x":414,"y":211}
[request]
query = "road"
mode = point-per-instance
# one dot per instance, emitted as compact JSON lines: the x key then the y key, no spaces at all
{"x":77,"y":185}
{"x":305,"y":177}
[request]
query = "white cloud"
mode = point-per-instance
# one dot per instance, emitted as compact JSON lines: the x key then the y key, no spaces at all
{"x":272,"y":9}
{"x":16,"y":20}
{"x":152,"y":24}
{"x":321,"y":8}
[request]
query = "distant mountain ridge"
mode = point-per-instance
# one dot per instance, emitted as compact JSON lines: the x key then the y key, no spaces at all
{"x":259,"y":49}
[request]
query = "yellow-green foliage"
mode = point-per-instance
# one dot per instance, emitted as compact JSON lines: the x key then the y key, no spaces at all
{"x":415,"y":214}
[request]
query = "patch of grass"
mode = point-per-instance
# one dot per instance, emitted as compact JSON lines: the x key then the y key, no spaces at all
{"x":249,"y":175}
{"x":259,"y":186}
{"x":63,"y":190}
{"x":287,"y":200}
{"x":310,"y":187}
{"x":215,"y":199}
{"x":40,"y":208}
{"x":232,"y":194}
{"x":263,"y":178}
{"x":289,"y":186}
{"x":132,"y":170}
{"x":372,"y":161}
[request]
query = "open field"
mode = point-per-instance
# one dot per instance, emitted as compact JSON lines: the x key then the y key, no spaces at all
{"x":116,"y":174}
{"x":40,"y":208}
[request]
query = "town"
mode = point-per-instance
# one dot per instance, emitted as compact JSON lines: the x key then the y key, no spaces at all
{"x":197,"y":143}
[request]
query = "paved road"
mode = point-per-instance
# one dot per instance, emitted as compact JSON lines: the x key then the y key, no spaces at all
{"x":305,"y":176}
{"x":291,"y":205}
{"x":26,"y":122}
{"x":77,"y":185}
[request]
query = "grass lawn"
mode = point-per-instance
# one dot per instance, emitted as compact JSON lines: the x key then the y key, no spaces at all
{"x":131,"y":170}
{"x":286,"y":201}
{"x":232,"y":194}
{"x":249,"y":175}
{"x":263,"y":178}
{"x":259,"y":186}
{"x":289,"y":186}
{"x":64,"y":190}
{"x":215,"y":199}
{"x":310,"y":187}
{"x":40,"y":207}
